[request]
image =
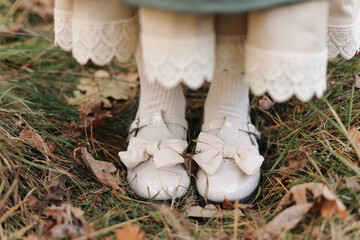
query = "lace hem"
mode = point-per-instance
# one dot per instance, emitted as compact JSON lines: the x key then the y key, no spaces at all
{"x":171,"y":61}
{"x":343,"y":40}
{"x":230,"y":54}
{"x":63,"y":29}
{"x":284,"y":75}
{"x":98,"y":42}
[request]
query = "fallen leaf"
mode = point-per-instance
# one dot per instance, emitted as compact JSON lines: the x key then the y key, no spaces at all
{"x":291,"y":216}
{"x":102,"y":86}
{"x":102,"y":170}
{"x":129,"y":232}
{"x":352,"y":184}
{"x":57,"y":188}
{"x":355,"y":136}
{"x":227,"y":204}
{"x":295,"y":166}
{"x":190,"y":165}
{"x":93,"y":114}
{"x":283,"y":222}
{"x":210,"y":211}
{"x":356,"y":80}
{"x":328,"y":206}
{"x":264,"y":102}
{"x":32,"y":237}
{"x":37,"y":141}
{"x":65,"y":222}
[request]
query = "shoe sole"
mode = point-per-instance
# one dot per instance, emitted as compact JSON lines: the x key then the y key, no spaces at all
{"x":247,"y":200}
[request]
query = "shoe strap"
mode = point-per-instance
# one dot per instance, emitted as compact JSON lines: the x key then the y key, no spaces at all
{"x":168,"y":118}
{"x":242,"y":126}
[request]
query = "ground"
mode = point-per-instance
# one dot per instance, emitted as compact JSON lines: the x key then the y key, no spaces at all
{"x":41,"y":126}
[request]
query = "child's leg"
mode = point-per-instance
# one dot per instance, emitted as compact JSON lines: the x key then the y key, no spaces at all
{"x":154,"y":98}
{"x":157,"y":140}
{"x":226,"y":118}
{"x":229,"y":94}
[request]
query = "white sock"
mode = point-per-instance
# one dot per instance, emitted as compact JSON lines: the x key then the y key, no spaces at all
{"x":228,"y":96}
{"x":154,"y":97}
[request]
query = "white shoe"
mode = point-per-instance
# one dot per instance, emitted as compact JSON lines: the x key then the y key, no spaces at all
{"x":154,"y":162}
{"x":226,"y":170}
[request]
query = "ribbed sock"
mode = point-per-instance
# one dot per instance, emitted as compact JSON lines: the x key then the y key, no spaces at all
{"x":228,"y":96}
{"x":154,"y":97}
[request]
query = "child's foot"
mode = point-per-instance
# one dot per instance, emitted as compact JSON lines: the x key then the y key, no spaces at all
{"x":154,"y":157}
{"x":228,"y":168}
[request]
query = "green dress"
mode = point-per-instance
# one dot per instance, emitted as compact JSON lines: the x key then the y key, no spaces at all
{"x":209,"y":6}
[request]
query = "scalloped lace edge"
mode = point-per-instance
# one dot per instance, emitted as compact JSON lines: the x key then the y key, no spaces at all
{"x":230,"y":53}
{"x":171,"y":61}
{"x":283,"y":75}
{"x":99,"y":42}
{"x":63,"y":29}
{"x":343,"y":40}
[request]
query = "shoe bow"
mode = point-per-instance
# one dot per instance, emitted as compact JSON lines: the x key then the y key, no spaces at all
{"x":166,"y":153}
{"x":211,"y":150}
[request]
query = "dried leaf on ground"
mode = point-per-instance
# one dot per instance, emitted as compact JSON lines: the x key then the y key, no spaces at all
{"x":229,"y":205}
{"x":103,"y":85}
{"x":57,"y":188}
{"x":65,"y":222}
{"x":295,"y":166}
{"x":352,"y":184}
{"x":264,"y":102}
{"x":93,"y":114}
{"x":355,"y":136}
{"x":190,"y":165}
{"x":210,"y":211}
{"x":129,"y":232}
{"x":101,"y":169}
{"x":283,"y":222}
{"x":37,"y":141}
{"x":356,"y":80}
{"x":291,"y":216}
{"x":329,"y":202}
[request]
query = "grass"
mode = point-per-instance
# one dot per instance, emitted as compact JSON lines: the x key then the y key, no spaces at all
{"x":35,"y":77}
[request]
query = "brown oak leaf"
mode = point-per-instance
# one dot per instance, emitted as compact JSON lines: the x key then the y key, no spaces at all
{"x":129,"y":232}
{"x":329,"y":202}
{"x":101,"y":169}
{"x":37,"y":141}
{"x":57,"y":188}
{"x":291,"y":216}
{"x":355,"y":136}
{"x":356,"y":80}
{"x":283,"y":222}
{"x":229,"y":205}
{"x":65,"y":222}
{"x":93,"y":114}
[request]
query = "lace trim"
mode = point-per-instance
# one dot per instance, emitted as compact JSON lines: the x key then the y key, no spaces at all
{"x":283,"y":75}
{"x":63,"y":29}
{"x":171,"y":61}
{"x":343,"y":40}
{"x":98,"y":42}
{"x":230,"y":54}
{"x":101,"y":42}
